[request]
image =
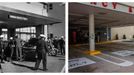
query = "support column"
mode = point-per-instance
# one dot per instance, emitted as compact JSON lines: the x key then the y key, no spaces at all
{"x":107,"y":29}
{"x":91,"y":32}
{"x":46,"y":31}
{"x":92,"y":50}
{"x":0,"y":31}
{"x":39,"y":30}
{"x":11,"y":33}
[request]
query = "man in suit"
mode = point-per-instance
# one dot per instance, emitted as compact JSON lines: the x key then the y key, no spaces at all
{"x":41,"y":51}
{"x":1,"y":52}
{"x":1,"y":48}
{"x":18,"y":48}
{"x":11,"y":46}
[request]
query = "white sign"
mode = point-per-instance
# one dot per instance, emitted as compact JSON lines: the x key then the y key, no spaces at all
{"x":123,"y":53}
{"x":78,"y":62}
{"x":18,"y":17}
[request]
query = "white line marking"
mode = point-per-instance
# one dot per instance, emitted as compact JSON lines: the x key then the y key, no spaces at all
{"x":124,"y":64}
{"x":123,"y":53}
{"x":114,"y":57}
{"x":63,"y":69}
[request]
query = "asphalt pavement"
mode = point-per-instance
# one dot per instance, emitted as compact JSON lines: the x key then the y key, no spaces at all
{"x":54,"y":65}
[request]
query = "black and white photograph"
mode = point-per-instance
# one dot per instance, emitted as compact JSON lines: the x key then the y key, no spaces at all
{"x":32,"y":37}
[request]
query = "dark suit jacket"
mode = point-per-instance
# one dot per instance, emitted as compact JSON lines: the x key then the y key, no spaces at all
{"x":42,"y":46}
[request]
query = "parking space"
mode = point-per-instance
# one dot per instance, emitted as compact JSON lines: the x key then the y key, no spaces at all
{"x":115,"y":57}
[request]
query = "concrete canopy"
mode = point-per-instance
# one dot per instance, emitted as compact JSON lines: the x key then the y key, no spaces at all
{"x":12,"y":18}
{"x":78,"y":16}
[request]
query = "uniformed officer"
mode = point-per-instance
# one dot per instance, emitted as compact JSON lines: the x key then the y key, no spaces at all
{"x":41,"y":51}
{"x":62,"y":45}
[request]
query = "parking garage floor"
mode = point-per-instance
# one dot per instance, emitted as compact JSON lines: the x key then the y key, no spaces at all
{"x":54,"y":64}
{"x":116,"y":57}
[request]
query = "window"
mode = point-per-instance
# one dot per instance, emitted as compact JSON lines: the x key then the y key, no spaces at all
{"x":26,"y":33}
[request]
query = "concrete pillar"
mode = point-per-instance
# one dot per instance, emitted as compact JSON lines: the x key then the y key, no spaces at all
{"x":46,"y":31}
{"x":39,"y":30}
{"x":0,"y":31}
{"x":107,"y":30}
{"x":91,"y":32}
{"x":11,"y":33}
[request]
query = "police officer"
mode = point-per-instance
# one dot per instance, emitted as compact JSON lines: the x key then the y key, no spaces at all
{"x":41,"y":52}
{"x":62,"y":45}
{"x":56,"y":42}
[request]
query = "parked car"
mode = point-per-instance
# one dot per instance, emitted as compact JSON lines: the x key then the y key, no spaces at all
{"x":29,"y":49}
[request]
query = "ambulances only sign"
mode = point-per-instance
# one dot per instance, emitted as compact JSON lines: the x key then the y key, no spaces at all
{"x":112,"y":5}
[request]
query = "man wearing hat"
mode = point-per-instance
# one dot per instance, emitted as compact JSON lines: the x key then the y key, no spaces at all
{"x":41,"y":51}
{"x":62,"y":45}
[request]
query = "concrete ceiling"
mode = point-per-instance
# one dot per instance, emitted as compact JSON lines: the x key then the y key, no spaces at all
{"x":78,"y":16}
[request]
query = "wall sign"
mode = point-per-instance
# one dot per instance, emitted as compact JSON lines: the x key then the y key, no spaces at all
{"x":18,"y":17}
{"x":105,"y":4}
{"x":78,"y":62}
{"x":112,"y":5}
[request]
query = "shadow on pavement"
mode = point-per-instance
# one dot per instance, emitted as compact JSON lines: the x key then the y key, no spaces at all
{"x":21,"y":65}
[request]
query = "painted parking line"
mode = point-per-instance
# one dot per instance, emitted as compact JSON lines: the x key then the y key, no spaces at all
{"x":63,"y":69}
{"x":123,"y":53}
{"x":122,"y":62}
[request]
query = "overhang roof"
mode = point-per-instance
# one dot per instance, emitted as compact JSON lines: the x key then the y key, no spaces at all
{"x":12,"y":18}
{"x":78,"y":16}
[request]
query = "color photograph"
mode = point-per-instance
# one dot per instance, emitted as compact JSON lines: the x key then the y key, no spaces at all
{"x":101,"y":37}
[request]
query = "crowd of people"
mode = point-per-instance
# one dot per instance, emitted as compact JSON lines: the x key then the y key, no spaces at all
{"x":58,"y":43}
{"x":12,"y":50}
{"x":7,"y":49}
